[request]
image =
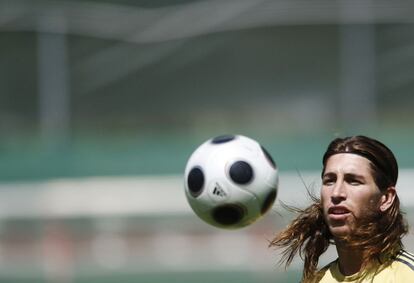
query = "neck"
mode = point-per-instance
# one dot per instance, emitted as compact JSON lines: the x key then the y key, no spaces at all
{"x":349,"y":260}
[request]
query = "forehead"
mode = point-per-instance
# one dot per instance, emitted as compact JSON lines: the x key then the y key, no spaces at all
{"x":348,"y":163}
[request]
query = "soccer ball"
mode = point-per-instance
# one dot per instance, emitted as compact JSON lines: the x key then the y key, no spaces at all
{"x":231,"y":181}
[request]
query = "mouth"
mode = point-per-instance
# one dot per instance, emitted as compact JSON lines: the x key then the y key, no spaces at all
{"x":338,"y":212}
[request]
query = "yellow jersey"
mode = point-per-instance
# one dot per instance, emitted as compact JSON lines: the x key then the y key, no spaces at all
{"x":399,"y":269}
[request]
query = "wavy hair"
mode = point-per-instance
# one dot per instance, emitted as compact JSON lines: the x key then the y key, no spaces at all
{"x":377,"y":234}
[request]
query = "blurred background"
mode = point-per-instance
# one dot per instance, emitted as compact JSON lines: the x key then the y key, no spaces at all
{"x":103,"y":101}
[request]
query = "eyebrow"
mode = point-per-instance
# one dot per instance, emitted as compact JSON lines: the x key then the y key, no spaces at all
{"x":353,"y":175}
{"x":346,"y":175}
{"x":328,"y":174}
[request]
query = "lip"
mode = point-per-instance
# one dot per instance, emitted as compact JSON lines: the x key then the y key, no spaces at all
{"x":338,"y":212}
{"x":338,"y":209}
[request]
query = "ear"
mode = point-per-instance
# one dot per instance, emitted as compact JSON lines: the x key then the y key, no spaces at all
{"x":387,"y":199}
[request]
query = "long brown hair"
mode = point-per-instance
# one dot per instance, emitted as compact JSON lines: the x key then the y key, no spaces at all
{"x":378,"y":234}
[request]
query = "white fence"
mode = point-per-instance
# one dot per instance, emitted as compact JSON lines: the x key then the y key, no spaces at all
{"x":148,"y":195}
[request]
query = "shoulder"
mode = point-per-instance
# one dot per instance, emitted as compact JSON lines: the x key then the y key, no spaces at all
{"x":405,"y":259}
{"x":400,"y":269}
{"x":326,"y":273}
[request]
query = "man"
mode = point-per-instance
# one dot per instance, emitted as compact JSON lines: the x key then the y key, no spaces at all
{"x":359,"y":212}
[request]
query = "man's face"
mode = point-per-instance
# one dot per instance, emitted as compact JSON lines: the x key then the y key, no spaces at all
{"x":348,"y":192}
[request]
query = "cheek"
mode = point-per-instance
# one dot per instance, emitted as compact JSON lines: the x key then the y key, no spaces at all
{"x":324,"y":198}
{"x":366,"y":203}
{"x":324,"y":194}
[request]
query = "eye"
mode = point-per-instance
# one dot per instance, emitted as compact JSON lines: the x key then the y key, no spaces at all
{"x":328,"y":181}
{"x":354,"y":179}
{"x":355,"y":182}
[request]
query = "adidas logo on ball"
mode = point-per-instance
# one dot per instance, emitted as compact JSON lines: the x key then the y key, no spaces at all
{"x":218,"y":191}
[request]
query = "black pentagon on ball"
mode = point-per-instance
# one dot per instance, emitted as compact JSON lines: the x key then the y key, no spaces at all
{"x":228,"y":214}
{"x":241,"y":172}
{"x":268,"y":202}
{"x":195,"y":181}
{"x":223,"y":139}
{"x":269,"y":157}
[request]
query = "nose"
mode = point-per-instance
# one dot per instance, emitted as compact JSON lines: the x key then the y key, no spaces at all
{"x":338,"y":192}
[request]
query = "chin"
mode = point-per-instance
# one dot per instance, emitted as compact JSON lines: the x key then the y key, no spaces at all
{"x":340,"y":231}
